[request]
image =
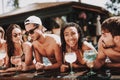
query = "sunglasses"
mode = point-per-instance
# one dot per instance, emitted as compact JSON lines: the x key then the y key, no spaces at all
{"x":30,"y":31}
{"x":15,"y":35}
{"x":1,"y":31}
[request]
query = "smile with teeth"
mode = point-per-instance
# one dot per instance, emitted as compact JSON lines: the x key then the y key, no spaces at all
{"x":71,"y":42}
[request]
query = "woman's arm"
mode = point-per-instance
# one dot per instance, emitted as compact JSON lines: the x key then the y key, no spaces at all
{"x":28,"y":51}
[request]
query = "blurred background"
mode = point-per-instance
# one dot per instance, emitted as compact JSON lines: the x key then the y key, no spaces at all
{"x":89,"y":14}
{"x":111,"y":5}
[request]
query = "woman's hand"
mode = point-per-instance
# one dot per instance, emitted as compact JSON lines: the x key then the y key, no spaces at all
{"x":64,"y":67}
{"x":2,"y":71}
{"x":39,"y":65}
{"x":90,"y":64}
{"x":24,"y":67}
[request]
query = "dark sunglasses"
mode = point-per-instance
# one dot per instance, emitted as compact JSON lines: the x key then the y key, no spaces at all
{"x":30,"y":31}
{"x":1,"y":31}
{"x":15,"y":35}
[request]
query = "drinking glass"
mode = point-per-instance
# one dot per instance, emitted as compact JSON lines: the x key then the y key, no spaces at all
{"x":70,"y":57}
{"x":36,"y":72}
{"x":2,"y":56}
{"x":90,"y":56}
{"x":16,"y":60}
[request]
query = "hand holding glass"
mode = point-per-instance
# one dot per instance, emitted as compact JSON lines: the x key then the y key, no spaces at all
{"x":70,"y":57}
{"x":90,"y":56}
{"x":16,"y":60}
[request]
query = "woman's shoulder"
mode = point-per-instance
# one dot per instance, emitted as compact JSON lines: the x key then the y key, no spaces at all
{"x":3,"y":41}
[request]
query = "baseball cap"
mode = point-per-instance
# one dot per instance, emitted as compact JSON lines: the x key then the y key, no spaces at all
{"x":36,"y":20}
{"x":33,"y":19}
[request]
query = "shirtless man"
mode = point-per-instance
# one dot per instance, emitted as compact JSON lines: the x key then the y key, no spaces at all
{"x":109,"y":44}
{"x":45,"y":45}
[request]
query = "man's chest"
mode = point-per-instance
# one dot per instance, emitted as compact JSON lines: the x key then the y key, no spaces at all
{"x":45,"y":50}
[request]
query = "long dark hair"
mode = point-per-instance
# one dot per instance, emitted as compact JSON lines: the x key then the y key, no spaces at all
{"x":79,"y":30}
{"x":10,"y":44}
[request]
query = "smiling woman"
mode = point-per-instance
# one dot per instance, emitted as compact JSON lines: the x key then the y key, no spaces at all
{"x":72,"y":41}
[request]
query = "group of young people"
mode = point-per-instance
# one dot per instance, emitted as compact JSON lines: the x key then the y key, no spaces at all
{"x":54,"y":47}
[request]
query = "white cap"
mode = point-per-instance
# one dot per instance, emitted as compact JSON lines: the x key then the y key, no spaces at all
{"x":33,"y":19}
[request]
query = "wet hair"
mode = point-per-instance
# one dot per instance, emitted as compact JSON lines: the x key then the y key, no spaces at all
{"x":2,"y":31}
{"x":10,"y":44}
{"x":79,"y":30}
{"x":112,"y":25}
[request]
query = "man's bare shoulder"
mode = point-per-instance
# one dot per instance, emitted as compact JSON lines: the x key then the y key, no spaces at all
{"x":27,"y":43}
{"x":53,"y":38}
{"x":34,"y":43}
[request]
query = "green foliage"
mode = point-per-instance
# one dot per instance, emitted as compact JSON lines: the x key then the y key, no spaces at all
{"x":14,"y":3}
{"x":114,"y":6}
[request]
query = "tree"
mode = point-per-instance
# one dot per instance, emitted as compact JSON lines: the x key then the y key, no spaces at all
{"x":14,"y":3}
{"x":114,"y":6}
